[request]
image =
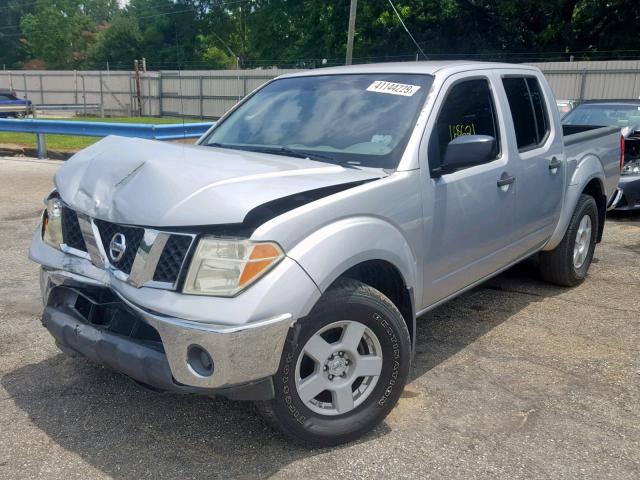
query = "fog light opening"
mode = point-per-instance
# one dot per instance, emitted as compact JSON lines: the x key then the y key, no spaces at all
{"x":199,"y":361}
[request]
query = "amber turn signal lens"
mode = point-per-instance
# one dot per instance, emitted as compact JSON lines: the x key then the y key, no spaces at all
{"x":262,"y":256}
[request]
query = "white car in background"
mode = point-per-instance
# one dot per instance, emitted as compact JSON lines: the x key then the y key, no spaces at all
{"x":565,"y":106}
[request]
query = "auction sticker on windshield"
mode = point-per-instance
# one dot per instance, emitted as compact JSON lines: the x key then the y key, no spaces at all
{"x":380,"y":86}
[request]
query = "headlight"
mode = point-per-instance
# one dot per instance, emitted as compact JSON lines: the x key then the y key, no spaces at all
{"x":225,"y":267}
{"x":52,"y":223}
{"x":631,"y":168}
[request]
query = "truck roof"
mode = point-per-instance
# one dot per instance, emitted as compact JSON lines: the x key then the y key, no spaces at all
{"x":425,"y":68}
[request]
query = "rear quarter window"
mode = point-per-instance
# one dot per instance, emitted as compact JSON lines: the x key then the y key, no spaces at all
{"x":528,"y":111}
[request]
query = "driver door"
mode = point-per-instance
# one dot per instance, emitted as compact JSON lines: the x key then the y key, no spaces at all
{"x":468,"y":213}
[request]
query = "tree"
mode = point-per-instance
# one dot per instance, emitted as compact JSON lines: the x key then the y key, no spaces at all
{"x":301,"y":33}
{"x":118,"y":43}
{"x":58,"y":32}
{"x":169,"y":32}
{"x":13,"y":52}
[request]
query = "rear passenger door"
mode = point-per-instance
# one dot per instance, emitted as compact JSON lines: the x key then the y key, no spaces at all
{"x":468,"y":214}
{"x":539,"y":164}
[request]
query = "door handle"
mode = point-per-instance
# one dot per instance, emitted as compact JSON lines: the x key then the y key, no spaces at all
{"x":554,"y":164}
{"x":506,"y":180}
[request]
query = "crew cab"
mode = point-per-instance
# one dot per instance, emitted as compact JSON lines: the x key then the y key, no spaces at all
{"x":286,"y":256}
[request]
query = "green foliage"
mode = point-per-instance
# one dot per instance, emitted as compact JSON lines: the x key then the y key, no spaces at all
{"x":221,"y":33}
{"x":13,"y":52}
{"x":121,"y":39}
{"x":58,"y":32}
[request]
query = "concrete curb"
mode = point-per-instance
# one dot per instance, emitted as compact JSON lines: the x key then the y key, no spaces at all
{"x":21,"y":151}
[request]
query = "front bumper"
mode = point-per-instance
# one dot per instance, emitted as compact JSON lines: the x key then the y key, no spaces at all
{"x":244,"y":335}
{"x":630,"y":187}
{"x":243,"y":357}
{"x":138,"y":361}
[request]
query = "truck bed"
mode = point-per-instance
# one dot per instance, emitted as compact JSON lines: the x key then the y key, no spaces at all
{"x":587,"y":141}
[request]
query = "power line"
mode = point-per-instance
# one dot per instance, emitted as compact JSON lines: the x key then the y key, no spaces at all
{"x":406,"y":29}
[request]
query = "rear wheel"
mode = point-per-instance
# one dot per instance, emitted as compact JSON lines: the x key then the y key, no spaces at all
{"x":569,"y":262}
{"x":343,"y":367}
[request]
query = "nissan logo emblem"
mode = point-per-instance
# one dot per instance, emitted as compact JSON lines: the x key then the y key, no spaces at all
{"x":117,"y":247}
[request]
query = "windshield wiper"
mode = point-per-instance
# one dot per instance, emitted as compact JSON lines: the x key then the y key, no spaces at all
{"x":225,"y":145}
{"x":254,"y":148}
{"x":283,"y":150}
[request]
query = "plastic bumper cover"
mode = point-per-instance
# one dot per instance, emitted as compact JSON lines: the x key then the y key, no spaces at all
{"x":630,"y":187}
{"x":241,"y":354}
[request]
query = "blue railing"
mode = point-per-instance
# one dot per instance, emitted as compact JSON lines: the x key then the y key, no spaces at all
{"x":175,"y":131}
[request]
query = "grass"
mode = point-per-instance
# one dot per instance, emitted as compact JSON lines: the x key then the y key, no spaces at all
{"x":68,"y":142}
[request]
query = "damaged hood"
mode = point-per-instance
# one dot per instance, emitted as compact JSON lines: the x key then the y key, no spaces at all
{"x":147,"y":182}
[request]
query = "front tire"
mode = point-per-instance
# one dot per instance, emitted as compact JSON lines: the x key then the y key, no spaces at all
{"x":343,"y":367}
{"x":567,"y":265}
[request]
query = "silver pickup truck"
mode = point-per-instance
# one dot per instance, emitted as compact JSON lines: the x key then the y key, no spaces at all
{"x":285,"y":257}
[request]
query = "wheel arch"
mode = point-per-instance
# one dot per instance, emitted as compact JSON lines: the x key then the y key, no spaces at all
{"x":367,"y":249}
{"x":595,"y":189}
{"x":588,"y":179}
{"x":387,"y":279}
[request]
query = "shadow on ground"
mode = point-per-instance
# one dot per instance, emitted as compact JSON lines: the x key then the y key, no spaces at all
{"x":128,"y":432}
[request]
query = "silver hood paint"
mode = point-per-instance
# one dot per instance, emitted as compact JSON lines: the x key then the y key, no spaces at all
{"x":147,"y":182}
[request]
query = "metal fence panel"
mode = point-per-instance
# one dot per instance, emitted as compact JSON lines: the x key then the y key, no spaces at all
{"x":612,"y":79}
{"x":211,"y":93}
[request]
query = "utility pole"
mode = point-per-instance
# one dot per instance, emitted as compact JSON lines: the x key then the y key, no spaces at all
{"x":136,"y":67}
{"x":352,"y":27}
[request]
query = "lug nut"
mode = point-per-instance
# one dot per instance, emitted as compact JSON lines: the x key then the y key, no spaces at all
{"x":341,"y":354}
{"x":326,"y":367}
{"x":347,"y":362}
{"x":343,"y":374}
{"x":330,"y":377}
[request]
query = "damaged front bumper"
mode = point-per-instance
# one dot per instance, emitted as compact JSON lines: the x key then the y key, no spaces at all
{"x":151,"y":334}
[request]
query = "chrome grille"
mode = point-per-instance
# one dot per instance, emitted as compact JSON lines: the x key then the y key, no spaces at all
{"x":151,"y":257}
{"x":172,"y":258}
{"x":133,"y":236}
{"x":71,"y":232}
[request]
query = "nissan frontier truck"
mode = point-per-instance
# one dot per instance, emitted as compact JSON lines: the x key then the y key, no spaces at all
{"x":285,"y":257}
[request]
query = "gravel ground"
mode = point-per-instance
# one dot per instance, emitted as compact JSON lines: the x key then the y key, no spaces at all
{"x":515,"y":379}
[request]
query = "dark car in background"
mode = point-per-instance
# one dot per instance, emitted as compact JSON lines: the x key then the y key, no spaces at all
{"x":11,"y":105}
{"x":626,"y":115}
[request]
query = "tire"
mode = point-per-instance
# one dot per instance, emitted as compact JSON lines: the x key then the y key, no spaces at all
{"x":323,"y":420}
{"x":557,"y":266}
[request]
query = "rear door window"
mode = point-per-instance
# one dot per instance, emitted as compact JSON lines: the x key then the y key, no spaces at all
{"x":467,"y":110}
{"x":528,"y":111}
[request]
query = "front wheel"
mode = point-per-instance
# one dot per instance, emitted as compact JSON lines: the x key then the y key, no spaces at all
{"x":568,"y":263}
{"x":343,"y":367}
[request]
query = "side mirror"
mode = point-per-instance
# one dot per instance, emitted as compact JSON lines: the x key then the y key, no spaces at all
{"x":467,"y":151}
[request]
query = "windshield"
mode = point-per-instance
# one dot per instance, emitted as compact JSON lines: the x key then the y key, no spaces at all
{"x":614,"y":115}
{"x":361,"y":120}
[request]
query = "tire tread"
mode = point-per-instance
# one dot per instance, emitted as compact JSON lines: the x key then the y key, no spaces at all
{"x":344,"y":289}
{"x":556,"y":266}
